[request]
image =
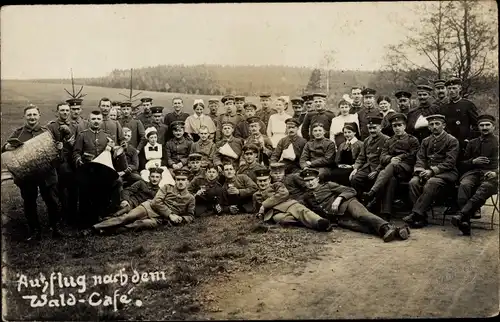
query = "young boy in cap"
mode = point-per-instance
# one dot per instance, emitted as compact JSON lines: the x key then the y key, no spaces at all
{"x":239,"y":102}
{"x":479,"y":179}
{"x":434,"y":170}
{"x":207,"y":191}
{"x":136,"y":127}
{"x":369,"y":110}
{"x":367,"y":165}
{"x":339,"y":204}
{"x":46,"y":181}
{"x":417,"y":122}
{"x":112,"y":127}
{"x":293,"y":144}
{"x":175,"y":203}
{"x":397,"y":159}
{"x":461,"y":115}
{"x":229,"y":116}
{"x":242,"y":129}
{"x":205,"y":146}
{"x":177,"y":149}
{"x":135,"y":205}
{"x":157,"y":123}
{"x":272,"y":202}
{"x":194,"y":166}
{"x":228,"y":148}
{"x":237,"y":191}
{"x":176,"y":116}
{"x":320,"y":115}
{"x":129,"y":175}
{"x":404,"y":101}
{"x":346,"y":155}
{"x":265,"y":111}
{"x":260,"y":140}
{"x":318,"y":153}
{"x":250,"y":156}
{"x":145,"y":116}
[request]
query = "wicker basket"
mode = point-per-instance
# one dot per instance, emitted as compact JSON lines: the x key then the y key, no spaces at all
{"x":35,"y":156}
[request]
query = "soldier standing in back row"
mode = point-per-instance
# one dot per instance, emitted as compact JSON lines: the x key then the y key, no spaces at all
{"x":176,"y":116}
{"x":135,"y":125}
{"x":229,"y":116}
{"x":461,"y":115}
{"x":46,"y":182}
{"x":265,"y":111}
{"x":441,"y":94}
{"x":113,"y":128}
{"x":369,"y":110}
{"x":417,"y":121}
{"x":76,"y":121}
{"x":404,"y":101}
{"x":320,"y":115}
{"x":146,"y":116}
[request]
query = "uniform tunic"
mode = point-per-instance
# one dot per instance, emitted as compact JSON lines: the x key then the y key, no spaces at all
{"x":439,"y":103}
{"x":474,"y":189}
{"x":281,"y":208}
{"x":236,"y":145}
{"x":276,"y":127}
{"x":79,"y":124}
{"x":139,"y":192}
{"x":146,"y":119}
{"x":206,"y":202}
{"x":298,"y":143}
{"x":114,"y":129}
{"x":136,"y":127}
{"x":386,"y":125}
{"x":206,"y":149}
{"x":172,"y":117}
{"x":89,"y":144}
{"x":363,"y":115}
{"x":355,"y":108}
{"x":324,"y":117}
{"x":170,"y":201}
{"x":177,"y":150}
{"x":320,"y":152}
{"x":461,"y":121}
{"x":235,"y":119}
{"x":413,"y":115}
{"x":295,"y":186}
{"x":439,"y":154}
{"x":249,"y":169}
{"x":265,"y":114}
{"x":265,"y":147}
{"x":242,"y":129}
{"x":66,"y":153}
{"x":243,"y":200}
{"x":300,"y":117}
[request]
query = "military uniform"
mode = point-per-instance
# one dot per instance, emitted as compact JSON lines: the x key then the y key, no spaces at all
{"x":298,"y":143}
{"x":146,"y":119}
{"x":283,"y":210}
{"x":78,"y":125}
{"x":405,"y":147}
{"x":474,"y":188}
{"x":224,"y":118}
{"x":368,"y":161}
{"x":324,"y":117}
{"x":243,"y":200}
{"x":131,"y":171}
{"x":46,"y":182}
{"x":249,"y":169}
{"x":205,"y":203}
{"x":265,"y":114}
{"x":206,"y":149}
{"x":265,"y":147}
{"x":355,"y":108}
{"x":364,"y":116}
{"x":174,"y":117}
{"x":423,"y":110}
{"x":114,"y":129}
{"x":137,"y":128}
{"x":236,"y":145}
{"x":67,"y":186}
{"x":177,"y":150}
{"x":439,"y":154}
{"x":242,"y":129}
{"x":321,"y":154}
{"x":170,"y":201}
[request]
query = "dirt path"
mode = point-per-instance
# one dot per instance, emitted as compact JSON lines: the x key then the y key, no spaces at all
{"x":435,"y":273}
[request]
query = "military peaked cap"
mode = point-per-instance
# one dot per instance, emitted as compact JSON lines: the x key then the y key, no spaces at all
{"x":425,"y":88}
{"x":403,"y":94}
{"x":157,"y":109}
{"x":453,"y":81}
{"x":227,"y":98}
{"x":262,"y":173}
{"x":292,"y":121}
{"x":374,"y":120}
{"x":146,"y":99}
{"x":397,"y":117}
{"x":486,"y":118}
{"x":309,"y":173}
{"x":74,"y":101}
{"x":368,"y":91}
{"x":436,"y":117}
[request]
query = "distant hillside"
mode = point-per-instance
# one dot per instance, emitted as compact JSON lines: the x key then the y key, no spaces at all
{"x":221,"y":80}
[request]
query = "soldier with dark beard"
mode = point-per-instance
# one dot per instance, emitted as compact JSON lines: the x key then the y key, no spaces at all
{"x":417,"y":122}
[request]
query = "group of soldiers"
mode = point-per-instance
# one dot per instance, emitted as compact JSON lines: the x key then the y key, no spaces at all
{"x":320,"y":171}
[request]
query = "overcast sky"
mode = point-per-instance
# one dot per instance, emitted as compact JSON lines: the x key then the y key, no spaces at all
{"x":46,"y":41}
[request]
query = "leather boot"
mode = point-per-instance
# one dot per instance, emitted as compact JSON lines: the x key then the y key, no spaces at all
{"x":388,"y":232}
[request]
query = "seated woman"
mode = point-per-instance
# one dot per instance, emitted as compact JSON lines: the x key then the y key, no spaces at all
{"x":384,"y":104}
{"x":152,"y":156}
{"x":319,"y":152}
{"x":276,"y":127}
{"x":194,"y":122}
{"x":346,"y":155}
{"x":207,"y":191}
{"x":337,"y":127}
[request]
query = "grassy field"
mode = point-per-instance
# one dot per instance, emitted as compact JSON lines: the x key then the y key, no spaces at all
{"x":190,"y":256}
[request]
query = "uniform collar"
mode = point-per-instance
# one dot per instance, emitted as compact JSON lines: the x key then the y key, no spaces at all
{"x":126,"y":118}
{"x":207,"y":142}
{"x":179,"y":140}
{"x":34,"y":128}
{"x":94,"y":131}
{"x":229,"y":139}
{"x":440,"y":136}
{"x":456,"y":101}
{"x":401,"y":136}
{"x":61,"y":122}
{"x":486,"y":137}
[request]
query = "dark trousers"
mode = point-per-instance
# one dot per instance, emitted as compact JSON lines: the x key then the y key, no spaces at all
{"x":387,"y":182}
{"x":360,"y":181}
{"x":473,"y":192}
{"x":341,"y":176}
{"x":29,"y":193}
{"x":67,"y":187}
{"x":422,"y":194}
{"x":205,"y":204}
{"x":128,"y":179}
{"x":358,"y":218}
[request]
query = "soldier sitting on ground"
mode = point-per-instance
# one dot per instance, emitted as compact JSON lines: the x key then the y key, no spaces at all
{"x":207,"y":191}
{"x":273,"y":203}
{"x":237,"y":191}
{"x":338,"y":203}
{"x":293,"y":182}
{"x":135,"y":205}
{"x":250,"y":154}
{"x":194,"y":166}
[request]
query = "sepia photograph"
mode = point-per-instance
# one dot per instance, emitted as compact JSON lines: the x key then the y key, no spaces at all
{"x":250,"y":161}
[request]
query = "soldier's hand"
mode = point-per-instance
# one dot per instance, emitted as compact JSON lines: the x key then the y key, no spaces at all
{"x":121,"y":173}
{"x":218,"y":208}
{"x":9,"y":147}
{"x":481,"y":160}
{"x":233,"y":210}
{"x":200,"y":192}
{"x":175,"y":219}
{"x":395,"y":160}
{"x":336,"y":205}
{"x":71,"y":140}
{"x":262,"y":210}
{"x":372,"y":175}
{"x":308,"y":163}
{"x":59,"y":145}
{"x":188,"y":219}
{"x":124,"y":204}
{"x":490,"y":175}
{"x":353,"y":173}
